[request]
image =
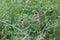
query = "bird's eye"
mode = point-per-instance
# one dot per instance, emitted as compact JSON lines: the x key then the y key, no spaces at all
{"x":35,"y":13}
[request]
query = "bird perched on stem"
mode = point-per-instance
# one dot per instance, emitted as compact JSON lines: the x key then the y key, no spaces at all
{"x":35,"y":16}
{"x":21,"y":23}
{"x":36,"y":20}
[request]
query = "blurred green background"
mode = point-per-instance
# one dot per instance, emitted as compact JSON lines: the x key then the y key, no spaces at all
{"x":11,"y":11}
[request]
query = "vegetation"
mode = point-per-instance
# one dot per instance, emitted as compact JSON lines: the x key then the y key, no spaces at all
{"x":46,"y":27}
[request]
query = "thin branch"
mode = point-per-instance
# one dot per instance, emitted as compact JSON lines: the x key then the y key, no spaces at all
{"x":11,"y":25}
{"x":25,"y":37}
{"x":50,"y":26}
{"x":27,"y":27}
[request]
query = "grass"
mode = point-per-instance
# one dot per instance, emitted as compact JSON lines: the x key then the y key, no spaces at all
{"x":11,"y":11}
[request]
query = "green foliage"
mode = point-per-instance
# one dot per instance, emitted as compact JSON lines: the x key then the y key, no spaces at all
{"x":11,"y":11}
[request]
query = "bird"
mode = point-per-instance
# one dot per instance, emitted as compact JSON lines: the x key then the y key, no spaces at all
{"x":21,"y":23}
{"x":35,"y":16}
{"x":36,"y":20}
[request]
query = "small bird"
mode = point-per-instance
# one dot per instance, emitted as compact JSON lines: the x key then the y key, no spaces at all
{"x":35,"y":20}
{"x":21,"y":23}
{"x":35,"y":16}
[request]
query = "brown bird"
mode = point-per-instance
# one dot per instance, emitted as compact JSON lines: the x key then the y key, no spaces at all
{"x":35,"y":16}
{"x":35,"y":20}
{"x":21,"y":23}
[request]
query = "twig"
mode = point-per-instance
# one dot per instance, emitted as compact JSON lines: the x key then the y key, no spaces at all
{"x":25,"y":37}
{"x":27,"y":27}
{"x":11,"y":25}
{"x":50,"y":26}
